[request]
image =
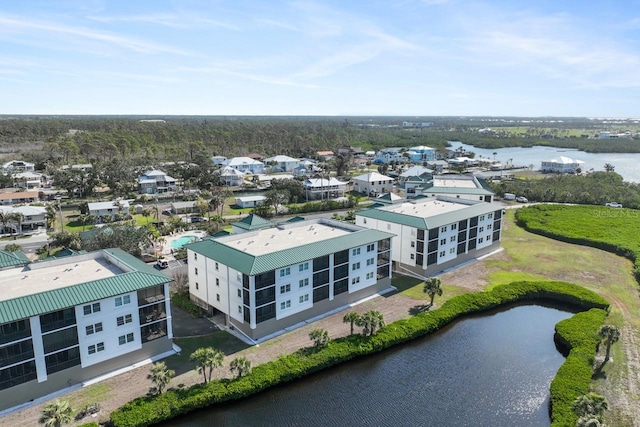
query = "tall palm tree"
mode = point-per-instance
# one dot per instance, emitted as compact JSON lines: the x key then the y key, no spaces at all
{"x":50,"y":216}
{"x":320,"y":337}
{"x":82,"y":218}
{"x":5,"y":219}
{"x":609,"y":334}
{"x":161,"y":376}
{"x":146,"y":213}
{"x":241,"y":366}
{"x":351,"y":318}
{"x":207,"y":359}
{"x":432,"y":287}
{"x":56,"y":414}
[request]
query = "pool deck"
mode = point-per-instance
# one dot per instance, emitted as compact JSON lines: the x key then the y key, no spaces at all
{"x":167,"y":248}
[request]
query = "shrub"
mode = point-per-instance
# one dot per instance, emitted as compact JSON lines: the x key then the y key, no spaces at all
{"x":183,"y":301}
{"x":569,"y":382}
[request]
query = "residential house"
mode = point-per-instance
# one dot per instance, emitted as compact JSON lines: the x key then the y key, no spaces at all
{"x":421,"y":172}
{"x":183,"y":207}
{"x":69,"y":320}
{"x":421,"y":154}
{"x":435,"y":234}
{"x":561,"y":165}
{"x":322,"y":188}
{"x":107,"y":211}
{"x":231,"y":177}
{"x":218,"y":160}
{"x":156,"y":181}
{"x":372,"y":184}
{"x":31,"y":217}
{"x":17,"y":197}
{"x":325,"y":155}
{"x":458,"y":186}
{"x":277,"y":277}
{"x":250,"y":201}
{"x":390,"y":155}
{"x":245,"y":165}
{"x":17,"y":166}
{"x":29,"y":180}
{"x":282,"y":163}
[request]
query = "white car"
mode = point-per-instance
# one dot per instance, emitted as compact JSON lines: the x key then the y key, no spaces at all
{"x":522,"y":199}
{"x":613,"y":205}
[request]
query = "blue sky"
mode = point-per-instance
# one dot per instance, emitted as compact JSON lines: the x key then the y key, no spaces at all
{"x":405,"y":58}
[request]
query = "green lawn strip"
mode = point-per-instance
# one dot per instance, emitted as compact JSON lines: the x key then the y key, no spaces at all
{"x":150,"y":410}
{"x":95,"y":393}
{"x":220,"y":340}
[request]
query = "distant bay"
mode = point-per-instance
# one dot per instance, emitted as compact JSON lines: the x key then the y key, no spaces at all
{"x":626,"y":164}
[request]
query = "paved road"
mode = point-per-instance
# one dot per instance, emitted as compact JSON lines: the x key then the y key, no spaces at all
{"x":28,"y":244}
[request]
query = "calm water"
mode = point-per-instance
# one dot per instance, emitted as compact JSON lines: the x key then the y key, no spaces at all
{"x":626,"y":164}
{"x":492,"y":370}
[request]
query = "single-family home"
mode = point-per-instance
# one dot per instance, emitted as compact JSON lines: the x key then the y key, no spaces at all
{"x":16,"y":197}
{"x":218,"y":160}
{"x":372,"y":184}
{"x":417,"y":171}
{"x":106,"y":211}
{"x":156,"y":181}
{"x":322,"y":188}
{"x":389,"y":155}
{"x":456,"y":186}
{"x":245,"y":165}
{"x":16,"y":166}
{"x":325,"y":155}
{"x":282,"y":163}
{"x":231,"y":177}
{"x":421,"y":154}
{"x":250,"y":201}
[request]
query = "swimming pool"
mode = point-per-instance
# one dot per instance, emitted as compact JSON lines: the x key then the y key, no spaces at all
{"x":181,"y":241}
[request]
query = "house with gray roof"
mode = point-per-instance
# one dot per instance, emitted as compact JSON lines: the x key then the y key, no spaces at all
{"x":458,"y":186}
{"x":435,"y":234}
{"x":68,"y":320}
{"x":277,"y":277}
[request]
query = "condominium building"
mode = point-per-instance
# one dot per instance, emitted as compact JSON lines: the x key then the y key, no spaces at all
{"x":72,"y":319}
{"x":435,"y":234}
{"x":272,"y":278}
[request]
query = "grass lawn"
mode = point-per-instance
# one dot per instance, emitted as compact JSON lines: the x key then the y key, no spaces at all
{"x":221,"y":340}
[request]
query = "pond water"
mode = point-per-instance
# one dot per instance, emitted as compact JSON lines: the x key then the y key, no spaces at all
{"x":489,"y":370}
{"x":626,"y":164}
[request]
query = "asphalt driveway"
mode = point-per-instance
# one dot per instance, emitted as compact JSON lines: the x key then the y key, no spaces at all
{"x":186,"y":326}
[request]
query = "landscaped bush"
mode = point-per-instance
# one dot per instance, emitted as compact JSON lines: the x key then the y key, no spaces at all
{"x":571,"y":376}
{"x":183,"y":301}
{"x":601,"y":227}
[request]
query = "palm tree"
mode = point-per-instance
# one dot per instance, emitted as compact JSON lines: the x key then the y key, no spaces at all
{"x":82,"y":218}
{"x":609,"y":334}
{"x":351,"y":318}
{"x":589,"y":407}
{"x":241,"y":366}
{"x":56,"y":414}
{"x":432,"y":287}
{"x":207,"y":359}
{"x":371,"y":321}
{"x":146,"y":213}
{"x":320,"y":337}
{"x":50,"y":216}
{"x":161,"y":376}
{"x":19,"y":219}
{"x":5,"y":219}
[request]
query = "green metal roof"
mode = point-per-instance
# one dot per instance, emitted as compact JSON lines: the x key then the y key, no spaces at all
{"x":454,"y":190}
{"x":142,"y":276}
{"x":431,"y":222}
{"x":257,"y":264}
{"x":13,"y":259}
{"x":253,"y":222}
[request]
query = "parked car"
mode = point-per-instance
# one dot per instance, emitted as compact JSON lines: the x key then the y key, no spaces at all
{"x":197,"y":219}
{"x":162,"y":263}
{"x":522,"y":199}
{"x":613,"y":205}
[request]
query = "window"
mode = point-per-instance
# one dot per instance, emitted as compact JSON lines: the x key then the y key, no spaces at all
{"x":442,"y":253}
{"x":355,"y":280}
{"x":195,"y":256}
{"x":217,"y":268}
{"x":490,"y":215}
{"x":370,"y":261}
{"x":218,"y":297}
{"x":303,"y":267}
{"x":196,"y":270}
{"x":240,"y":309}
{"x":413,"y":256}
{"x":285,"y":272}
{"x":488,"y":238}
{"x":123,"y":339}
{"x":125,"y":299}
{"x":371,"y":247}
{"x":452,"y":239}
{"x":91,"y":308}
{"x":413,"y":244}
{"x":481,"y":230}
{"x":443,"y":229}
{"x":443,"y":241}
{"x":452,"y":250}
{"x":239,"y":293}
{"x":285,"y":304}
{"x":454,"y":226}
{"x":285,"y":288}
{"x":370,"y":276}
{"x":355,"y":266}
{"x":489,"y":226}
{"x":94,"y":348}
{"x":238,"y":276}
{"x":92,"y":329}
{"x":365,"y":220}
{"x":355,"y":251}
{"x":197,"y":286}
{"x":124,"y":319}
{"x":304,"y":298}
{"x":217,"y":282}
{"x":481,"y":218}
{"x":304,"y":282}
{"x":480,"y":239}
